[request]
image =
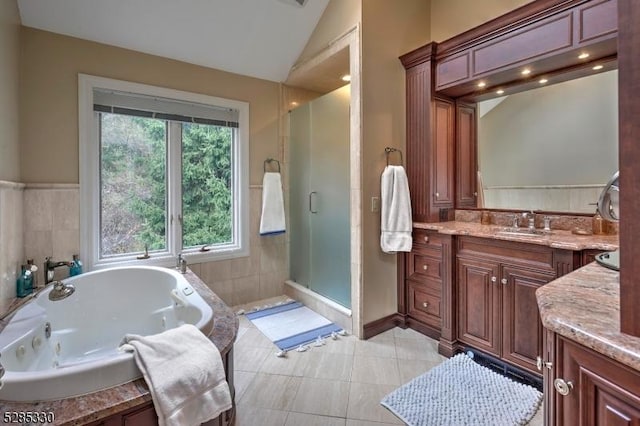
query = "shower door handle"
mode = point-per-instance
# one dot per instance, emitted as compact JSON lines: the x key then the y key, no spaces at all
{"x":310,"y":202}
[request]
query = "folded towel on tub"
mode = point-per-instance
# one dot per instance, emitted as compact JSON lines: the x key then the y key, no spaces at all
{"x":185,"y":375}
{"x":396,"y":223}
{"x":272,"y":219}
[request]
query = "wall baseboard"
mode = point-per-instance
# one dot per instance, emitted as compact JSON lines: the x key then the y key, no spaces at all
{"x":383,"y":324}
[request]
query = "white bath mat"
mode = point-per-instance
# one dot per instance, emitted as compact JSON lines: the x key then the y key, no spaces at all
{"x":291,"y":325}
{"x":461,"y":392}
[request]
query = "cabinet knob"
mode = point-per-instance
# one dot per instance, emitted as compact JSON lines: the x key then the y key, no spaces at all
{"x":425,"y":304}
{"x":562,"y":387}
{"x":504,"y":281}
{"x":426,"y":238}
{"x":475,"y":194}
{"x":437,"y":194}
{"x":494,"y":279}
{"x":425,"y":267}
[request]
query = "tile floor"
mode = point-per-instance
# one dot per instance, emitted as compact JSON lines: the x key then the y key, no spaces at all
{"x":340,"y":383}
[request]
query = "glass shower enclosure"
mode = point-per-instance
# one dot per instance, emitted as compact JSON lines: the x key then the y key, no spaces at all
{"x":319,"y":185}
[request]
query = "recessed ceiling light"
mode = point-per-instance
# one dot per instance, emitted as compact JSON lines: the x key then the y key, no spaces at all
{"x":584,"y":55}
{"x":346,"y":77}
{"x":598,"y":67}
{"x":294,"y":104}
{"x":542,"y":81}
{"x":500,"y":92}
{"x":482,"y":84}
{"x":526,"y":71}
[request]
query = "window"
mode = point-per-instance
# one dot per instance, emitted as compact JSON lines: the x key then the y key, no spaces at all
{"x":162,"y":172}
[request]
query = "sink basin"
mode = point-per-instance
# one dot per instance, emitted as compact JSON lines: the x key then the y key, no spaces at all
{"x":522,"y":232}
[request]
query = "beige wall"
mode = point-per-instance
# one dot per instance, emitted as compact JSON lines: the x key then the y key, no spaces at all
{"x":9,"y":66}
{"x":452,"y":17}
{"x":388,"y":31}
{"x":49,"y":147}
{"x":49,"y":97}
{"x":338,"y":18}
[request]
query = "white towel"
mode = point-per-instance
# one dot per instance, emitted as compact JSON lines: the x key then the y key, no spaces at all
{"x":185,"y":375}
{"x":396,"y":222}
{"x":272,"y":218}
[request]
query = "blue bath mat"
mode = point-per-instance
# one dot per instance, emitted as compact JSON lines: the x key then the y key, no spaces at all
{"x":292,"y":324}
{"x":461,"y":392}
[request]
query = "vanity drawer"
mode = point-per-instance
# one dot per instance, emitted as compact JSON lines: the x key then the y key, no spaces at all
{"x":427,"y":285}
{"x":423,"y":305}
{"x":428,"y":238}
{"x":421,"y":265}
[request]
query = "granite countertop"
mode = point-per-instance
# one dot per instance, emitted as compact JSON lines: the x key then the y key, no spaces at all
{"x":98,"y":405}
{"x":584,"y":306}
{"x":560,"y":239}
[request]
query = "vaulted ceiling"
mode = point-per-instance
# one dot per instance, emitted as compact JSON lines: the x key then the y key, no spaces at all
{"x":257,"y":38}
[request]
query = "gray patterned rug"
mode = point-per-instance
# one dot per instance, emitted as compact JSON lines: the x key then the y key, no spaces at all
{"x":461,"y":392}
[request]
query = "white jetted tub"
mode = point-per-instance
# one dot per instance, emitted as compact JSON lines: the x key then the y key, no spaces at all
{"x":85,"y":329}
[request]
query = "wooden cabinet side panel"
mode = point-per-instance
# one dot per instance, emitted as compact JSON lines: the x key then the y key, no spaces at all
{"x":418,"y":148}
{"x":448,"y":299}
{"x":466,"y":157}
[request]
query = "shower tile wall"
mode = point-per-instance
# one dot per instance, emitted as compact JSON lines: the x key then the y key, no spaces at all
{"x":12,"y":248}
{"x":51,"y":228}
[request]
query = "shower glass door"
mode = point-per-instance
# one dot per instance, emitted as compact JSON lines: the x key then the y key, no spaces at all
{"x":320,"y":196}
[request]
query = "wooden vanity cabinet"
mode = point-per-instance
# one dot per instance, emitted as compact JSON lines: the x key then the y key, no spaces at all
{"x":601,"y":391}
{"x":430,"y":150}
{"x":497,"y":310}
{"x":427,"y":283}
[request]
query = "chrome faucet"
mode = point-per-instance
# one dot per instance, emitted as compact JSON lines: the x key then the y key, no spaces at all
{"x":531,"y":217}
{"x":60,"y":291}
{"x":50,"y":267}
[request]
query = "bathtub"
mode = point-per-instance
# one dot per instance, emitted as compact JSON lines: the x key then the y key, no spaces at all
{"x":81,"y":354}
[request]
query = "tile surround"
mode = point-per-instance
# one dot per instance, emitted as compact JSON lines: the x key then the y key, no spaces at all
{"x":40,"y":220}
{"x":12,"y":249}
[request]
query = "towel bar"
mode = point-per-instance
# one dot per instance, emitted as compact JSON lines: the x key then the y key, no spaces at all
{"x":389,"y":150}
{"x":269,"y":160}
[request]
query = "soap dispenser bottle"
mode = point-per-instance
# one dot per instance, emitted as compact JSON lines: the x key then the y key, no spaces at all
{"x":25,"y":282}
{"x":76,"y":266}
{"x":597,"y":224}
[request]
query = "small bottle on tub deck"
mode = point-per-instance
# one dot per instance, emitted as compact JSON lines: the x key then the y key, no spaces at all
{"x":76,"y":266}
{"x":24,"y":284}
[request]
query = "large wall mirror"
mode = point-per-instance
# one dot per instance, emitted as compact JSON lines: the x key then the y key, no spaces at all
{"x":552,"y":148}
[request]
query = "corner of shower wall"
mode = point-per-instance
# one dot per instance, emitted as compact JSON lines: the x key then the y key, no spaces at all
{"x":320,"y":304}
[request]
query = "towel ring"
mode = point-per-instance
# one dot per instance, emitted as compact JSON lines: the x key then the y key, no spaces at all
{"x":389,"y":150}
{"x":269,"y":160}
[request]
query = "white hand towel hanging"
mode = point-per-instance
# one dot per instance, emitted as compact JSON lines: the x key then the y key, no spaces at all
{"x":272,"y":220}
{"x":396,"y":224}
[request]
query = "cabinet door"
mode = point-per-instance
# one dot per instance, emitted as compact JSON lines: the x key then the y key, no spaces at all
{"x":479,"y":304}
{"x":466,"y":160}
{"x":604,"y":392}
{"x":521,"y":325}
{"x":443,"y":154}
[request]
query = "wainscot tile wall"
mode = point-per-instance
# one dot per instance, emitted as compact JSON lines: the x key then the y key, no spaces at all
{"x":51,"y":228}
{"x":11,"y":242}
